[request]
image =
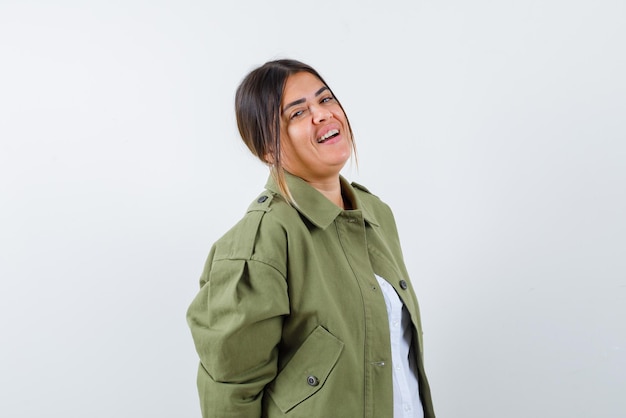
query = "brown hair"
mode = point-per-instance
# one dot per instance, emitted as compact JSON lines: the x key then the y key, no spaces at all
{"x":257,"y":108}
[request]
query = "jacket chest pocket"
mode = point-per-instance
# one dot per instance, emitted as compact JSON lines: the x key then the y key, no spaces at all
{"x":307,"y":371}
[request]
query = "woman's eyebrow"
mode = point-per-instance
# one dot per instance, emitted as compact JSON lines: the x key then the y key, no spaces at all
{"x":320,"y":91}
{"x":300,"y":101}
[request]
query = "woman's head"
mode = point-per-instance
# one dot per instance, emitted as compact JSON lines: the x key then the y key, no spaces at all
{"x":282,"y":104}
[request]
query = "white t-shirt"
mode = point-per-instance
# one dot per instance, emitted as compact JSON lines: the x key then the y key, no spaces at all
{"x":406,"y":398}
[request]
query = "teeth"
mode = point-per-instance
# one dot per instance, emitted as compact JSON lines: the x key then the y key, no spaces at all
{"x":328,"y":135}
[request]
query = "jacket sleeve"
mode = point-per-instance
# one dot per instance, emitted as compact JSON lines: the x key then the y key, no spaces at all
{"x":236,"y":322}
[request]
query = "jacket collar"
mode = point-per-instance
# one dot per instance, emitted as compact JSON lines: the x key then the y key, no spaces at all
{"x":315,"y":206}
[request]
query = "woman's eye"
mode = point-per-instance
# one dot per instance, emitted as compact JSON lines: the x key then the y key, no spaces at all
{"x":327,"y":99}
{"x":296,"y":114}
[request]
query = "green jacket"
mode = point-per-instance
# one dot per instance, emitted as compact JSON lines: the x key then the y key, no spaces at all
{"x":289,"y":320}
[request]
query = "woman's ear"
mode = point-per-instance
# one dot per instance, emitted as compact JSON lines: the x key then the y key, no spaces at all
{"x":268,"y":157}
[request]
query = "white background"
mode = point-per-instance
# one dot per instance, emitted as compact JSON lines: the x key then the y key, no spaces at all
{"x":495,"y":129}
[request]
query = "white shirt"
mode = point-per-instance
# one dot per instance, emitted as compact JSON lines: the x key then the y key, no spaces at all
{"x":406,"y":398}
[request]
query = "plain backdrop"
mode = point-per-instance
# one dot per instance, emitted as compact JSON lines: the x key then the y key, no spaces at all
{"x":496,"y":130}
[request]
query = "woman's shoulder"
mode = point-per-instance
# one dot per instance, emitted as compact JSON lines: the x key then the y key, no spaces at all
{"x":371,"y":201}
{"x":261,"y":233}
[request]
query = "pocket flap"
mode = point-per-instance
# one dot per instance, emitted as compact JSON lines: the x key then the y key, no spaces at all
{"x":307,"y":371}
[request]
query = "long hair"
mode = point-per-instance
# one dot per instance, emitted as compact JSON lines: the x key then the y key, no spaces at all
{"x":257,"y":108}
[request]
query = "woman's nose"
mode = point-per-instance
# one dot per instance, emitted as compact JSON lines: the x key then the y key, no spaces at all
{"x":321,"y":115}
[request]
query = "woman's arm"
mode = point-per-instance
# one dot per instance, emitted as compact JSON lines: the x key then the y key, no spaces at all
{"x":236,"y":323}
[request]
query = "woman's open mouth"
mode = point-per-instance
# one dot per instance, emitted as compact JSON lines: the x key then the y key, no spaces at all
{"x":328,"y":135}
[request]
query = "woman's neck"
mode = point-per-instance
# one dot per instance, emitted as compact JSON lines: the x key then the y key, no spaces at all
{"x":331,"y":189}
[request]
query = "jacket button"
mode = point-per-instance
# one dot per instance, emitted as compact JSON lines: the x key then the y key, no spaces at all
{"x":262,"y":199}
{"x":312,"y":381}
{"x":403,"y":284}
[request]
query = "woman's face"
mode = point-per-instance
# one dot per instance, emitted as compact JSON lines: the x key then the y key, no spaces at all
{"x":314,"y":136}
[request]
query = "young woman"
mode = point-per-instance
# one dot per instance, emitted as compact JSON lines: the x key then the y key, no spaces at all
{"x":305,"y":307}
